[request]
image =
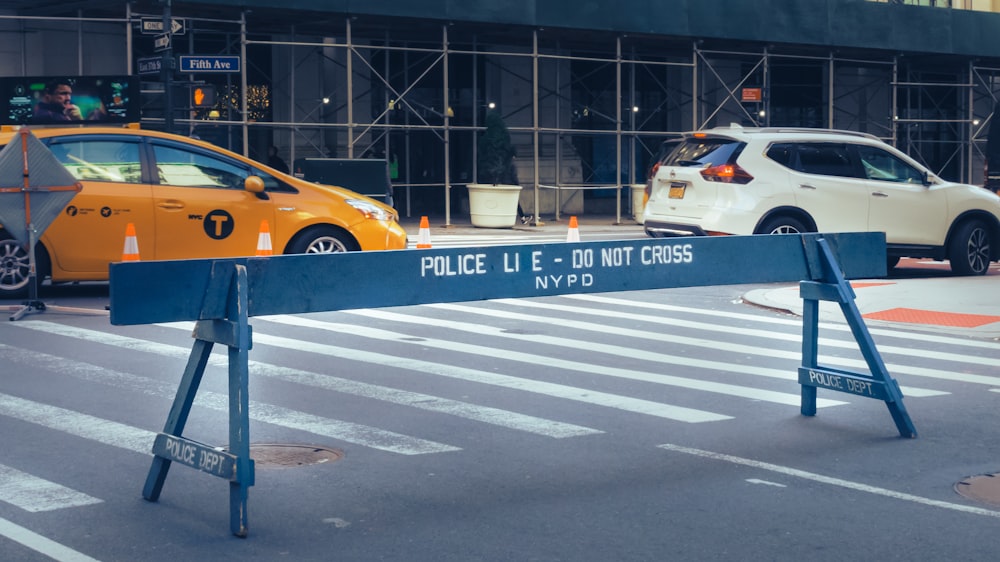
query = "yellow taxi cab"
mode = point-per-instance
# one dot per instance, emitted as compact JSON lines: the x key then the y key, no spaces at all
{"x":187,"y":199}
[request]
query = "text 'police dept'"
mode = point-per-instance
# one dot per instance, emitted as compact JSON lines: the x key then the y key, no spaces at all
{"x":581,"y":258}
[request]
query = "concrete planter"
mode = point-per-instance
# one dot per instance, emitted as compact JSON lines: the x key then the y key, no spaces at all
{"x":638,"y":206}
{"x":493,"y":206}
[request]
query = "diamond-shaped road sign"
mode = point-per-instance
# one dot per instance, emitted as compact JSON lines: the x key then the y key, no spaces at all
{"x":29,"y":169}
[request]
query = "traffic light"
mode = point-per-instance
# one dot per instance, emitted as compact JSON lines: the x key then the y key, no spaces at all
{"x":203,"y":96}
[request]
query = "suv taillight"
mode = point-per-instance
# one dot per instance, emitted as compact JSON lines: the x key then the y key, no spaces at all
{"x":652,"y":172}
{"x":727,"y":173}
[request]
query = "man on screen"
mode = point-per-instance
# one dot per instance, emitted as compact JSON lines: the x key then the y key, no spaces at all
{"x":56,"y":104}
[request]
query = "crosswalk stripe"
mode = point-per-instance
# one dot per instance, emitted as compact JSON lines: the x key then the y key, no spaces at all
{"x":631,"y":374}
{"x":41,"y":544}
{"x":739,"y":368}
{"x":552,"y":362}
{"x":767,"y":334}
{"x":75,"y":423}
{"x":716,"y":344}
{"x":635,"y":405}
{"x":840,"y":327}
{"x":35,"y":494}
{"x":338,"y":429}
{"x":494,"y":416}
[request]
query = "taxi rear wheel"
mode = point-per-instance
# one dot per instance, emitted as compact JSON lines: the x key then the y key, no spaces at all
{"x":322,"y":240}
{"x":15,"y":267}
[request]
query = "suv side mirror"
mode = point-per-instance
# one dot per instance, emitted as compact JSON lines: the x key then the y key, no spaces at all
{"x":925,"y":178}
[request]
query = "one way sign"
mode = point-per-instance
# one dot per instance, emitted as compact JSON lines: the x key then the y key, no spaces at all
{"x":155,"y":25}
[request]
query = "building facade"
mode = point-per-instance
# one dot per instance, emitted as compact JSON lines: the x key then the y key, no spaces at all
{"x":589,"y":90}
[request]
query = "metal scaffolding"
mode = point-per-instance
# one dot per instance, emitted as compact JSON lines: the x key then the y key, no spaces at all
{"x":586,"y":110}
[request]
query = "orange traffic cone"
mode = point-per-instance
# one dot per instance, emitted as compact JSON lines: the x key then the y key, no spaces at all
{"x":264,"y":240}
{"x":131,"y":250}
{"x":573,"y":234}
{"x":424,"y":238}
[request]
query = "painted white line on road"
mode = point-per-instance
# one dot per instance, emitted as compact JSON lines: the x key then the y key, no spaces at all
{"x":840,"y":327}
{"x":41,"y":544}
{"x":856,"y":486}
{"x":755,"y":350}
{"x":658,"y":337}
{"x":484,"y":414}
{"x":630,"y":374}
{"x":358,"y":434}
{"x":765,"y":482}
{"x":635,"y":405}
{"x":75,"y":423}
{"x":773,"y":335}
{"x":35,"y":494}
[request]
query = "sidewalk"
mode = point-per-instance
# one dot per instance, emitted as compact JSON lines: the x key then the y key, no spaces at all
{"x":928,"y":299}
{"x":960,"y":306}
{"x":548,"y":225}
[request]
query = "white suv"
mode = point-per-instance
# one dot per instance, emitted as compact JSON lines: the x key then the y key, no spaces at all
{"x":735,"y":180}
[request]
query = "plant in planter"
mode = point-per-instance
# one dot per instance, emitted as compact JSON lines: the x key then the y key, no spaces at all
{"x":493,"y":201}
{"x":496,"y":152}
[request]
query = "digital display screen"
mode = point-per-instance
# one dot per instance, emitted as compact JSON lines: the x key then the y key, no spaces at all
{"x":50,"y":100}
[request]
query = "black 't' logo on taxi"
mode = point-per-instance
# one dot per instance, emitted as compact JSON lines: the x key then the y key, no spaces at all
{"x":218,"y":224}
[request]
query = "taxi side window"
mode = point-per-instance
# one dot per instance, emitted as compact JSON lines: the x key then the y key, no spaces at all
{"x":100,"y":160}
{"x":185,"y":168}
{"x":272,"y":184}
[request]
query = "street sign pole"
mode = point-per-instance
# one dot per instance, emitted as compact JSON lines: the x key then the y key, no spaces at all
{"x":167,"y":71}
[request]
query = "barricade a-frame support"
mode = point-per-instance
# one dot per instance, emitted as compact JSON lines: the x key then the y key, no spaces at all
{"x":879,"y":385}
{"x":223,"y":320}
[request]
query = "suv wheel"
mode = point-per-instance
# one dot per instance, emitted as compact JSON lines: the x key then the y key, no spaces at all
{"x":969,"y":249}
{"x":783,"y":225}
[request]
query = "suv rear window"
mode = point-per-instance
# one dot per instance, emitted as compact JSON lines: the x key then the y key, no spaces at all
{"x":700,"y":152}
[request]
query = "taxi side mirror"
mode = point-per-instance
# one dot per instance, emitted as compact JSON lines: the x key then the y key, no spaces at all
{"x":254,"y":184}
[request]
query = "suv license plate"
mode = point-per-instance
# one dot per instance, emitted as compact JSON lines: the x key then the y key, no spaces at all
{"x":676,"y":190}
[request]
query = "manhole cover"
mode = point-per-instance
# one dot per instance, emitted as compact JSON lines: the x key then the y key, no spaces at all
{"x":276,"y":455}
{"x":984,"y":488}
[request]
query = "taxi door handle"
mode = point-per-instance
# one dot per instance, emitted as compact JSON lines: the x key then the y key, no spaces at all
{"x":286,"y":209}
{"x":170,"y":205}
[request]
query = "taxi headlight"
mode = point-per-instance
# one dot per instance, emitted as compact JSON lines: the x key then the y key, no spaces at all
{"x":371,"y":211}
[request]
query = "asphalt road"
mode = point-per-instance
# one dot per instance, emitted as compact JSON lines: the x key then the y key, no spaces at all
{"x":653,"y":425}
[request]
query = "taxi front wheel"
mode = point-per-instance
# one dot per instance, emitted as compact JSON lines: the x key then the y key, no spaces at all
{"x":15,"y":267}
{"x":322,"y":240}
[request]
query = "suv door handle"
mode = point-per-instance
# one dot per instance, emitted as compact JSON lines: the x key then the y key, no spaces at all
{"x":879,"y":194}
{"x":806,"y":186}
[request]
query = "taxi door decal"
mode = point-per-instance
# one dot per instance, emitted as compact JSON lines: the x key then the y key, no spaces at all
{"x":218,"y":224}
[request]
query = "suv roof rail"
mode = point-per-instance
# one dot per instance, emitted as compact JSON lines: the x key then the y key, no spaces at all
{"x":735,"y":127}
{"x":812,"y":130}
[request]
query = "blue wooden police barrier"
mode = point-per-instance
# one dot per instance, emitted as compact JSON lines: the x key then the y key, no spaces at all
{"x":222,"y":294}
